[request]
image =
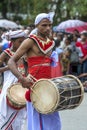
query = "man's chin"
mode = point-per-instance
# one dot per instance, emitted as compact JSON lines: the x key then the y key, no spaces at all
{"x":47,"y":34}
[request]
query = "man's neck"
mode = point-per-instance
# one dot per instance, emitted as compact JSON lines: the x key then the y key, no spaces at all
{"x":43,"y":36}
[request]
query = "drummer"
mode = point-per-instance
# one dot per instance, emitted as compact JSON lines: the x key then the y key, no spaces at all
{"x":38,"y":48}
{"x":9,"y":117}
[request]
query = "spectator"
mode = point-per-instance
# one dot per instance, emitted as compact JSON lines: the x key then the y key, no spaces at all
{"x":82,"y":66}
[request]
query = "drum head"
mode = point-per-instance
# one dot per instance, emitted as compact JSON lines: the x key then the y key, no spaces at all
{"x":44,"y":96}
{"x":16,"y":93}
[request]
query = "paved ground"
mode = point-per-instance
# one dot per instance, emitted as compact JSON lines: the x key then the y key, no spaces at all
{"x":75,"y":119}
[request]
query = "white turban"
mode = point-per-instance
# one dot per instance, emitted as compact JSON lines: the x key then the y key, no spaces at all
{"x":34,"y":31}
{"x":42,"y":16}
{"x":17,"y":34}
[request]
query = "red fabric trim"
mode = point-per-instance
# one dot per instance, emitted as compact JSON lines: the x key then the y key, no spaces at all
{"x":8,"y":52}
{"x":38,"y":60}
{"x":27,"y":96}
{"x":47,"y":46}
{"x":16,"y":108}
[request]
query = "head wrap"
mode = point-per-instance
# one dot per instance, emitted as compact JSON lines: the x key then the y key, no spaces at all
{"x":5,"y":36}
{"x":17,"y":34}
{"x":42,"y":16}
{"x":34,"y":31}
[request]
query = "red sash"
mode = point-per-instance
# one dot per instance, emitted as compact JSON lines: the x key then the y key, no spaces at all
{"x":39,"y":67}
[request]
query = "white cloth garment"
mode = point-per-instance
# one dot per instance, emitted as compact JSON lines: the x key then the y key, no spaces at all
{"x":37,"y":121}
{"x":9,"y":115}
{"x":10,"y":79}
{"x":17,"y":34}
{"x":34,"y":31}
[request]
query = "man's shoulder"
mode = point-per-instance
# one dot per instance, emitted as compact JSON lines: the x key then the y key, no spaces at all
{"x":33,"y":36}
{"x":29,"y":40}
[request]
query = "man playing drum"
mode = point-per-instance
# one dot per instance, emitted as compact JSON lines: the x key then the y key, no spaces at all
{"x":10,"y":117}
{"x":38,"y":48}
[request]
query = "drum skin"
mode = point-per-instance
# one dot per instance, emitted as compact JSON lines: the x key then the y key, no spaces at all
{"x":60,"y":93}
{"x":16,"y":96}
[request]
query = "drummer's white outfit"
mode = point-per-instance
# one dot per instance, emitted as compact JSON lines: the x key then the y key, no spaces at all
{"x":10,"y":117}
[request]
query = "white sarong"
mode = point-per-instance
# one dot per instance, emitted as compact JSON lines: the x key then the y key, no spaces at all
{"x":39,"y":121}
{"x":8,"y":114}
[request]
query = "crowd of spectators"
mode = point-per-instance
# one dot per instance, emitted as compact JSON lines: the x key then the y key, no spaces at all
{"x":73,"y":54}
{"x":70,"y":47}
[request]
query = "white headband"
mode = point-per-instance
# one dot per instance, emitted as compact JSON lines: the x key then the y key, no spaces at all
{"x":42,"y":16}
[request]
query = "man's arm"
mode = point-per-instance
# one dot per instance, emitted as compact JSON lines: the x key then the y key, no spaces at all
{"x":2,"y":69}
{"x":3,"y":58}
{"x":25,"y":46}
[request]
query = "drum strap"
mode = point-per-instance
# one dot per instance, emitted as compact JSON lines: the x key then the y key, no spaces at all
{"x":40,"y":121}
{"x":25,"y":67}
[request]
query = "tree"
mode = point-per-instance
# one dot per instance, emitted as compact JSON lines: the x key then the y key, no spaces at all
{"x":64,"y":9}
{"x":3,"y":8}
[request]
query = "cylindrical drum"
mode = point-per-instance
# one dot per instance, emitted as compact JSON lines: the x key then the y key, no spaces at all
{"x":61,"y":93}
{"x":16,"y":96}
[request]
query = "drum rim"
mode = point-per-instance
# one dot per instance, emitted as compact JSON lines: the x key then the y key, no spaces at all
{"x":57,"y":92}
{"x":18,"y":105}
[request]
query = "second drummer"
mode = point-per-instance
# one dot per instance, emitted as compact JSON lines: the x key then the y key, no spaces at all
{"x":9,"y":117}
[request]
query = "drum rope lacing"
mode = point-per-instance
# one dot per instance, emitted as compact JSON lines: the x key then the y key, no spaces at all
{"x":68,"y":98}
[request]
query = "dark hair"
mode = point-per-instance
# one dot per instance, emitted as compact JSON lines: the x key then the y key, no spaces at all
{"x":76,"y":35}
{"x":69,"y":38}
{"x":57,"y":43}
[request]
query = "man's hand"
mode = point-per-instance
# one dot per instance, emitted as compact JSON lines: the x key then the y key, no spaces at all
{"x":26,"y":82}
{"x":80,"y":60}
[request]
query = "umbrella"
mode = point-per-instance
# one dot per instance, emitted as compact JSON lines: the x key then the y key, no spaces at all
{"x":79,"y":28}
{"x":4,"y":23}
{"x":72,"y":24}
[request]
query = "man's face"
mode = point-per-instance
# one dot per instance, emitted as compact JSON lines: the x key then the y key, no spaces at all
{"x":18,"y":42}
{"x":83,"y":37}
{"x":44,"y":27}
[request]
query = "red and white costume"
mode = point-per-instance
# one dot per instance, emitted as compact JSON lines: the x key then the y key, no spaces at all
{"x":40,"y":67}
{"x":9,"y":117}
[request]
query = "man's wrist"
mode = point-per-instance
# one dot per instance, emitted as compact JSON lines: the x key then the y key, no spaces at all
{"x":20,"y":78}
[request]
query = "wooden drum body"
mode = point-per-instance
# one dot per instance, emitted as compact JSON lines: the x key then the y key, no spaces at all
{"x":61,"y":93}
{"x":16,"y":96}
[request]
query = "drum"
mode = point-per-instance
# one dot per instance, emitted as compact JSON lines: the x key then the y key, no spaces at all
{"x":61,"y":93}
{"x":16,"y":96}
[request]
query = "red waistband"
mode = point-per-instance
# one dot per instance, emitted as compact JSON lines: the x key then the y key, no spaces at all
{"x":40,"y":60}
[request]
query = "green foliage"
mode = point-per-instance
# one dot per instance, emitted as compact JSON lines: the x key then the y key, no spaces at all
{"x":74,"y":9}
